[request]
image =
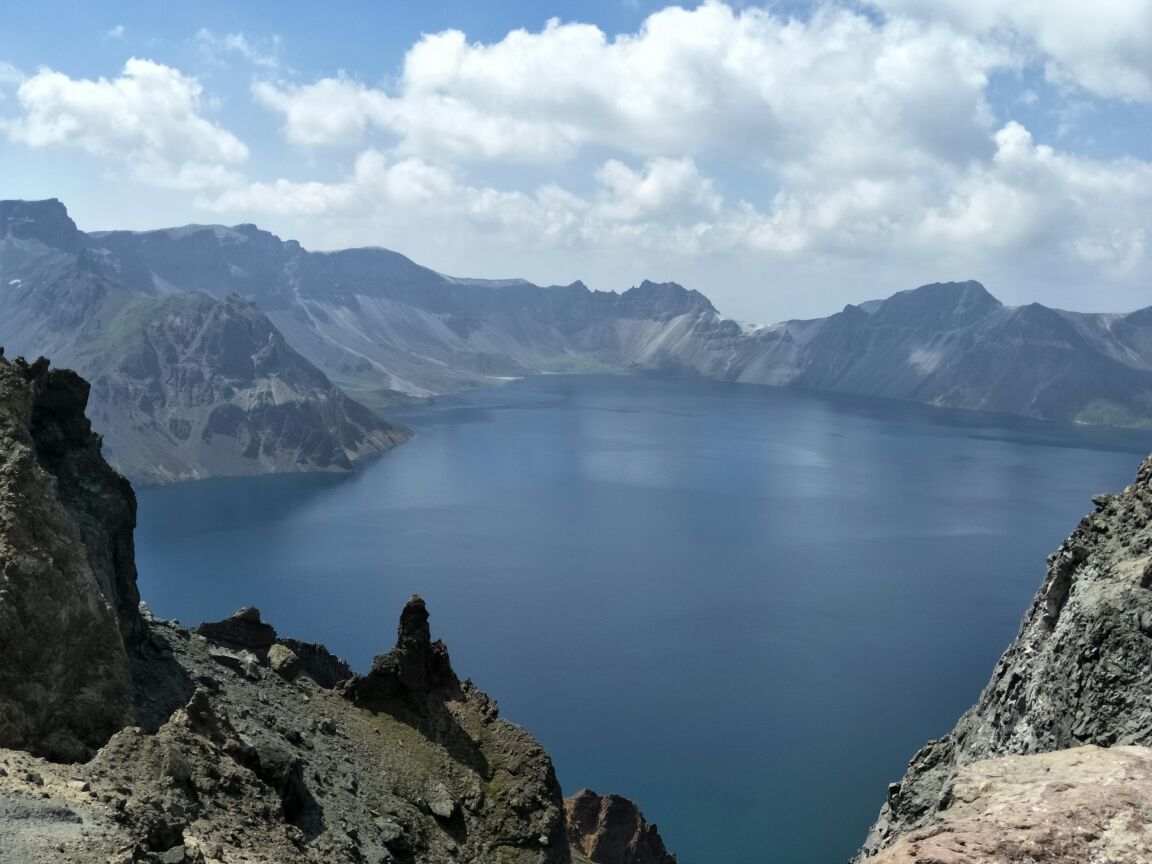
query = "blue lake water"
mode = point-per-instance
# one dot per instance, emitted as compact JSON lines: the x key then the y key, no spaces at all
{"x":743,"y":607}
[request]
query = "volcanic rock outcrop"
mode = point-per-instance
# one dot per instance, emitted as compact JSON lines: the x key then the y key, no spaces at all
{"x":1078,"y":673}
{"x":1086,"y":804}
{"x":612,"y":830}
{"x":68,"y":596}
{"x":128,"y":739}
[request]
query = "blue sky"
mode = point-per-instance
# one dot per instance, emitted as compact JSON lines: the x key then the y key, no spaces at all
{"x":784,"y":158}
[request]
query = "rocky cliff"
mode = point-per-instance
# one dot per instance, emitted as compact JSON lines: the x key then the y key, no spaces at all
{"x":67,"y":579}
{"x":185,"y":385}
{"x":612,"y":830}
{"x":127,"y":739}
{"x":1078,"y":673}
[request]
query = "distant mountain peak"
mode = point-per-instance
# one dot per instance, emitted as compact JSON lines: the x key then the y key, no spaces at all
{"x":46,"y":221}
{"x":668,"y":298}
{"x":967,"y":293}
{"x":940,"y":304}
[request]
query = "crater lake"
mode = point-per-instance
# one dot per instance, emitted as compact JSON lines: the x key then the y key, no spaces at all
{"x":743,"y":607}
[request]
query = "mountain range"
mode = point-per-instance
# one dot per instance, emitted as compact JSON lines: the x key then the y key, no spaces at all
{"x":162,"y":321}
{"x":184,"y":385}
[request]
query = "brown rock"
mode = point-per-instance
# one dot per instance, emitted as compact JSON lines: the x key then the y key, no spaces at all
{"x":1077,"y":672}
{"x":609,"y":829}
{"x":1079,"y":805}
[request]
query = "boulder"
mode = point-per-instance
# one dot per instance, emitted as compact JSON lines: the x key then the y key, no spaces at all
{"x":241,"y":631}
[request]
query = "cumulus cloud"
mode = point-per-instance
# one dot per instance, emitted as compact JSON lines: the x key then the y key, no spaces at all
{"x":842,"y":139}
{"x":664,"y":186}
{"x":1026,"y":200}
{"x":151,"y":117}
{"x":656,"y":204}
{"x":375,"y":181}
{"x":714,"y":79}
{"x":1031,"y":196}
{"x":329,"y":112}
{"x":1104,"y":47}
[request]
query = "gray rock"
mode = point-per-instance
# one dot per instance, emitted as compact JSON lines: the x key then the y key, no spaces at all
{"x":1077,"y":673}
{"x":68,"y":599}
{"x":242,"y":630}
{"x":318,"y":663}
{"x":440,"y":802}
{"x":283,"y":662}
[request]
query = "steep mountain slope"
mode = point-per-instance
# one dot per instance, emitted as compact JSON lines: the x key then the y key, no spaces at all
{"x":184,"y":385}
{"x":65,"y":674}
{"x":1078,"y":673}
{"x":381,"y":326}
{"x":126,"y":739}
{"x":954,"y":344}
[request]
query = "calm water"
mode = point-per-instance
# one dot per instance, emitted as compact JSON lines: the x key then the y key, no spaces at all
{"x":743,"y":607}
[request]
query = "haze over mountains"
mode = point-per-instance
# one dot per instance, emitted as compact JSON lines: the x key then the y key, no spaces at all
{"x":218,"y":350}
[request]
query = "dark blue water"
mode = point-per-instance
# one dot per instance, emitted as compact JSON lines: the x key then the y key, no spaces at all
{"x":743,"y":607}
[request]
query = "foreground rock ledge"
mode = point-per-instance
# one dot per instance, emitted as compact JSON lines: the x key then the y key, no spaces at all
{"x":1078,"y":673}
{"x":127,"y":739}
{"x":1081,"y":805}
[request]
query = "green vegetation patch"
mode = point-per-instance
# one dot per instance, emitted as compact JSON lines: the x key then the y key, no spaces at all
{"x":1100,"y":413}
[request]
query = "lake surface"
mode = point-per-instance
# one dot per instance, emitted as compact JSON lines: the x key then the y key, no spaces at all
{"x":745,"y":608}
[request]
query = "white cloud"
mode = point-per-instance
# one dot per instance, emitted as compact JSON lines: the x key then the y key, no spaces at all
{"x":150,"y":118}
{"x":665,"y":186}
{"x":662,"y":198}
{"x":331,"y":111}
{"x":1091,"y":212}
{"x":837,"y":88}
{"x":1027,"y":202}
{"x":375,"y":181}
{"x":263,"y":53}
{"x":10,"y":76}
{"x":841,"y":142}
{"x":116,"y":32}
{"x":1104,"y":46}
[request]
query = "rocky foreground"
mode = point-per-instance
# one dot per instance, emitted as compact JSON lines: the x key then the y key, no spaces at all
{"x":1025,"y":775}
{"x":127,"y":739}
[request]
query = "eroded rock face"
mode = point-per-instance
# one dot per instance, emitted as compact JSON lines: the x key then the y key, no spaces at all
{"x":225,"y":744}
{"x":608,"y":829}
{"x":416,"y":668}
{"x":259,"y":768}
{"x":1079,"y":672}
{"x":1079,"y":805}
{"x":242,"y":630}
{"x":68,"y":601}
